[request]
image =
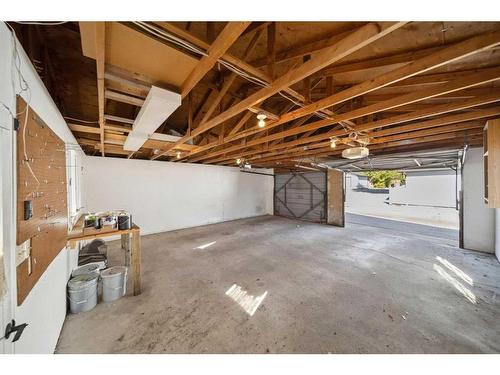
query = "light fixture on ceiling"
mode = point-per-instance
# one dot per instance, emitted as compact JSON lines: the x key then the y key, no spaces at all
{"x":238,"y":161}
{"x":355,"y":152}
{"x":333,"y":142}
{"x":261,"y":116}
{"x":156,"y":151}
{"x":178,"y":155}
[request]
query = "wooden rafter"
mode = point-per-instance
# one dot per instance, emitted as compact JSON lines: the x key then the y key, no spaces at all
{"x":459,"y":84}
{"x":302,"y":50}
{"x":351,"y":43}
{"x":229,"y":81}
{"x":218,"y":48}
{"x":431,"y":127}
{"x":455,"y":52}
{"x":410,"y":90}
{"x":100,"y":31}
{"x":327,"y":151}
{"x":271,"y":49}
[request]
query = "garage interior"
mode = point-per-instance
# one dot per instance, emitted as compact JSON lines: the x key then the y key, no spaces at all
{"x":227,"y":144}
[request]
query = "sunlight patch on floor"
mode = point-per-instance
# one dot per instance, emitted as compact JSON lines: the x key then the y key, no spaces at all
{"x":457,"y":271}
{"x":455,"y":283}
{"x":204,"y":246}
{"x":248,"y":302}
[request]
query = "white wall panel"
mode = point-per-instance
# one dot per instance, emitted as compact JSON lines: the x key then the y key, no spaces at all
{"x":163,"y":196}
{"x":45,"y":306}
{"x":479,"y":220}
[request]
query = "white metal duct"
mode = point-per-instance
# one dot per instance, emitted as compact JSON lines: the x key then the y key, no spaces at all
{"x":158,"y":106}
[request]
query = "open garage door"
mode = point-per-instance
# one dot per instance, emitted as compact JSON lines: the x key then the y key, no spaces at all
{"x":426,"y":200}
{"x":301,"y":196}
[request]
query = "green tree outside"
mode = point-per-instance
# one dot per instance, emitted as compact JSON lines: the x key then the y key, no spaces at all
{"x":385,"y":179}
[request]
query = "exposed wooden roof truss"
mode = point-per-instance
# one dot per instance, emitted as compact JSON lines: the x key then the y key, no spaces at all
{"x":392,"y":86}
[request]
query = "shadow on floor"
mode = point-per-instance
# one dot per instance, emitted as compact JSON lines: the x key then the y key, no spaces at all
{"x":426,"y":230}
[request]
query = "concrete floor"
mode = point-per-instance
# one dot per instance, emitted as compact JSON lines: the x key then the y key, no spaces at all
{"x":329,"y":290}
{"x":402,"y":226}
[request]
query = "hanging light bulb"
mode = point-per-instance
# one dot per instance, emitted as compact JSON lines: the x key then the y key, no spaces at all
{"x":178,"y":154}
{"x":333,"y":142}
{"x":261,"y":116}
{"x":238,"y":161}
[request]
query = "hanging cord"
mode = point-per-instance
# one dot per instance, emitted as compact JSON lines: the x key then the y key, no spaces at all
{"x":27,"y":161}
{"x":23,"y":85}
{"x":80,"y":120}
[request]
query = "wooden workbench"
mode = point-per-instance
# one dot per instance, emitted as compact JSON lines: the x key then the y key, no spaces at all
{"x":132,"y":250}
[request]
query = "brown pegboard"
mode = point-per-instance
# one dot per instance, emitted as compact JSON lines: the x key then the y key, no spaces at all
{"x":41,"y":179}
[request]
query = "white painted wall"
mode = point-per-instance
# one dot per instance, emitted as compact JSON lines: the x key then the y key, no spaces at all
{"x":426,"y":188}
{"x":356,"y":181}
{"x":165,"y":196}
{"x":45,"y":307}
{"x":479,"y":220}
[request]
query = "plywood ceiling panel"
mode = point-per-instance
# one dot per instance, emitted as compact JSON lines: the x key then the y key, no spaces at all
{"x":138,"y":53}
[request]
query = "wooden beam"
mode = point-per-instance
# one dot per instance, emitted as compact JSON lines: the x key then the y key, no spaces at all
{"x":141,"y":88}
{"x":271,"y":49}
{"x":440,"y":121}
{"x":299,"y":51}
{"x":327,"y":151}
{"x":229,"y":81}
{"x":306,"y":83}
{"x":348,"y":45}
{"x":190,"y":114}
{"x":437,"y":59}
{"x":84,"y":128}
{"x":241,"y":122}
{"x":396,"y":59}
{"x":224,"y":40}
{"x":353,"y":42}
{"x":123,"y":129}
{"x":409,"y":131}
{"x":123,"y":98}
{"x":100,"y":30}
{"x":442,"y":57}
{"x":440,"y":125}
{"x":240,"y":64}
{"x":119,"y":119}
{"x":173,"y":29}
{"x":468,"y":81}
{"x":255,"y":27}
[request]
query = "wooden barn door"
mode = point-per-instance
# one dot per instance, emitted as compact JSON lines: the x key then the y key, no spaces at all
{"x":301,"y":196}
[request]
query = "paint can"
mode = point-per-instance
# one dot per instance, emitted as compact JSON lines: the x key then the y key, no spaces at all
{"x":124,"y":221}
{"x":114,"y":283}
{"x":82,"y":293}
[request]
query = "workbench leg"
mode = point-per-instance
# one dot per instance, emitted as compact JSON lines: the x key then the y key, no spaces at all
{"x":136,"y":261}
{"x":126,"y":247}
